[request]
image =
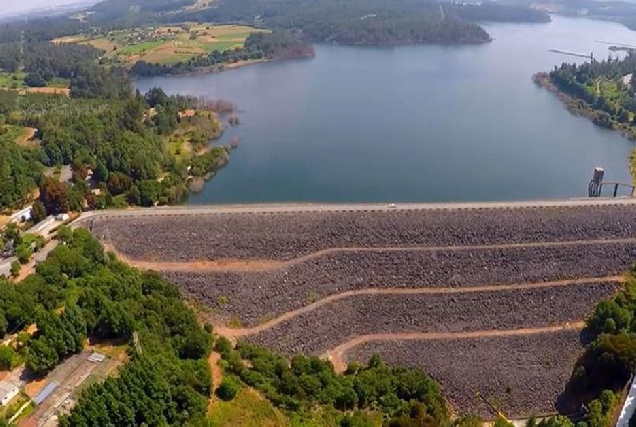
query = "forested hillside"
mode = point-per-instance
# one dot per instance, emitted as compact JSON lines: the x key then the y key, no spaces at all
{"x":371,"y":21}
{"x":351,"y":22}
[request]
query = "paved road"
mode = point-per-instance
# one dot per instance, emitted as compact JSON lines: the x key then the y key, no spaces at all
{"x":350,"y":207}
{"x":37,"y":258}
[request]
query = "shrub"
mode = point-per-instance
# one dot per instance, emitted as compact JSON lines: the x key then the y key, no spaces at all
{"x":228,"y":389}
{"x":15,"y":268}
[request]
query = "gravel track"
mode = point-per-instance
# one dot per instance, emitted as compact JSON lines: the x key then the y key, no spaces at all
{"x":523,"y":375}
{"x":285,"y":236}
{"x":320,"y":330}
{"x":254,"y":296}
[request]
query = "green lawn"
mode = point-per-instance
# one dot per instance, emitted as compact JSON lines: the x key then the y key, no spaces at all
{"x":59,"y":83}
{"x":12,"y":133}
{"x":220,"y":45}
{"x":247,"y":409}
{"x":174,"y":58}
{"x":12,"y":80}
{"x":139,"y":48}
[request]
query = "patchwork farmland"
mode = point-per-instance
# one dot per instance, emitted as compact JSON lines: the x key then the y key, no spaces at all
{"x":163,"y":45}
{"x":438,"y":289}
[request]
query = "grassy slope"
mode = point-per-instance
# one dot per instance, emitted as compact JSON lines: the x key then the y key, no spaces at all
{"x":8,"y":79}
{"x":247,"y":409}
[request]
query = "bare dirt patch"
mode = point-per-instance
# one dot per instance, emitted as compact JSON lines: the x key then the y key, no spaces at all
{"x":47,"y":90}
{"x":217,"y":377}
{"x":27,"y":139}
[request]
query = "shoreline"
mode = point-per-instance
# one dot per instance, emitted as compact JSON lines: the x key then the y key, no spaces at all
{"x":580,"y":108}
{"x":219,"y":68}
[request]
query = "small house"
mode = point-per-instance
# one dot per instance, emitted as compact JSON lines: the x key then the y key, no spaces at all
{"x":24,"y":215}
{"x":8,"y":391}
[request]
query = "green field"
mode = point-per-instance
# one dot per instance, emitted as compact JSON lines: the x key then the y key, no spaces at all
{"x":140,"y":48}
{"x":59,"y":83}
{"x":247,"y":409}
{"x":221,"y":45}
{"x":12,"y":80}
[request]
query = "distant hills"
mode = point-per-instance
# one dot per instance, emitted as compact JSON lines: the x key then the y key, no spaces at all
{"x":44,"y":8}
{"x":353,"y":22}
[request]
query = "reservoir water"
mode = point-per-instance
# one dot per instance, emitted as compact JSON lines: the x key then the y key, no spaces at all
{"x":413,"y":123}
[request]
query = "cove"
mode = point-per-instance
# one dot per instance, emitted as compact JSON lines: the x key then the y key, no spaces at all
{"x":413,"y":123}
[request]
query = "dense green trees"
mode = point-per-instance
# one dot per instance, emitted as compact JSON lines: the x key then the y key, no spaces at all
{"x":355,"y":22}
{"x":599,"y":90}
{"x":79,"y":291}
{"x":116,"y":139}
{"x":19,"y":171}
{"x":609,"y":360}
{"x":57,"y":337}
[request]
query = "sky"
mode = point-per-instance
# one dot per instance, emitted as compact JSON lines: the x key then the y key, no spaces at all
{"x":10,"y":7}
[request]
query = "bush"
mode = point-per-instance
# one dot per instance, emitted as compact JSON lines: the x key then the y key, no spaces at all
{"x":24,"y":254}
{"x":15,"y":268}
{"x":579,"y":382}
{"x":228,"y":389}
{"x":6,"y":357}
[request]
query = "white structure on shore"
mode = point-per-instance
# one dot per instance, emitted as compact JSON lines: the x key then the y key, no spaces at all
{"x":23,"y":215}
{"x":8,"y":391}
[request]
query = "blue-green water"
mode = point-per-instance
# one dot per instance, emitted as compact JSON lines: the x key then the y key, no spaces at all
{"x":414,"y":123}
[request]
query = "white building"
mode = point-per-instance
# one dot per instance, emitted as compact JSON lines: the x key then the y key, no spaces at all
{"x":22,"y":216}
{"x":7,"y":392}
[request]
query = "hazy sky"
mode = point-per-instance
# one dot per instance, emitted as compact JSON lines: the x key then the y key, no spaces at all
{"x":16,"y":6}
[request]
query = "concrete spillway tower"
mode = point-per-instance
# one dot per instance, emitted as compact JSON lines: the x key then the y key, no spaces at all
{"x":594,"y":189}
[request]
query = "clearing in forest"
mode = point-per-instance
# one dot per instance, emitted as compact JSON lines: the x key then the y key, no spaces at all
{"x":164,"y":45}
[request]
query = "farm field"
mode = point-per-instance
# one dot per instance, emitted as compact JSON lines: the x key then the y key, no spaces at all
{"x":511,"y":286}
{"x":164,"y":45}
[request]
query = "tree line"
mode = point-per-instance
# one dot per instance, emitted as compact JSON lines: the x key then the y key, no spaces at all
{"x":371,"y":21}
{"x":351,"y":22}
